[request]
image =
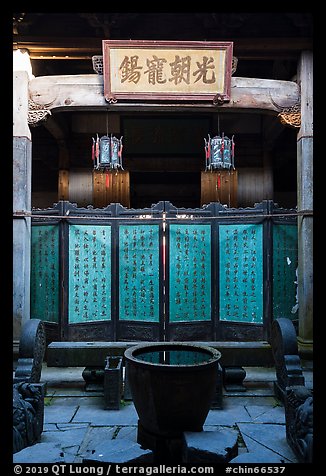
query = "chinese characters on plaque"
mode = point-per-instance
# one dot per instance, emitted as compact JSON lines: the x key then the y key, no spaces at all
{"x":89,"y":273}
{"x":45,"y":273}
{"x":139,"y":273}
{"x":285,"y":262}
{"x":190,"y":272}
{"x":241,"y":273}
{"x":135,"y":69}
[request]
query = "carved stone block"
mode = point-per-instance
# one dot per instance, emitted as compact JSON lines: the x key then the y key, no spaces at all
{"x":286,"y":356}
{"x":94,"y":378}
{"x":28,"y":414}
{"x":32,"y":346}
{"x":299,"y":421}
{"x":233,"y":378}
{"x":113,"y":382}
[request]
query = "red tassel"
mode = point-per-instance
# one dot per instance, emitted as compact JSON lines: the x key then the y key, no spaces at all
{"x":218,"y":181}
{"x":208,"y":153}
{"x":93,"y":152}
{"x":107,"y":180}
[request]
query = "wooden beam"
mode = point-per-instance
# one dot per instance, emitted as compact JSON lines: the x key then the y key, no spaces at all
{"x":244,"y":48}
{"x":86,"y":92}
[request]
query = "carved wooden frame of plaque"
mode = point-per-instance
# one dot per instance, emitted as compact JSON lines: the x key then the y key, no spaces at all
{"x":126,"y":62}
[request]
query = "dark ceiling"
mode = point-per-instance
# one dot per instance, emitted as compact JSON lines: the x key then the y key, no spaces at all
{"x":267,"y":44}
{"x":201,"y":26}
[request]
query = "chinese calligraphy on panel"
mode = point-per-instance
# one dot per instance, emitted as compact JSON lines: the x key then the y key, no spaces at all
{"x":241,"y":273}
{"x":89,"y":273}
{"x":190,"y":273}
{"x":45,"y":273}
{"x":139,"y":273}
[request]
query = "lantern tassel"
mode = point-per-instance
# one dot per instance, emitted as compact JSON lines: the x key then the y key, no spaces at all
{"x":93,"y":149}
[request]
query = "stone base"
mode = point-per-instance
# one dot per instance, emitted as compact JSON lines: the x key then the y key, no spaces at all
{"x":94,"y":378}
{"x":113,"y":382}
{"x":28,"y":414}
{"x":233,"y":378}
{"x":209,"y":447}
{"x":305,"y":349}
{"x":202,"y":447}
{"x":165,"y":449}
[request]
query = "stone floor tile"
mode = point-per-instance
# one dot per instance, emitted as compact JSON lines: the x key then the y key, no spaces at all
{"x":266,"y":414}
{"x":228,"y":416}
{"x":65,"y":437}
{"x":98,"y":416}
{"x":271,"y":437}
{"x":261,"y":456}
{"x":217,"y":446}
{"x":40,"y":453}
{"x":59,"y":413}
{"x":129,"y":432}
{"x":94,"y":436}
{"x":120,"y":451}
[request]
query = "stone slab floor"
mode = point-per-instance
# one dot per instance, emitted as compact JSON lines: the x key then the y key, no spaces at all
{"x":76,"y":423}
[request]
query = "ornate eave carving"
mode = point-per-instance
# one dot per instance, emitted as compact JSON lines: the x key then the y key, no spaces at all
{"x":37,"y":113}
{"x":289,"y":116}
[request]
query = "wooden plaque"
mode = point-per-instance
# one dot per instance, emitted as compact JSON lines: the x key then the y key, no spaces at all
{"x":167,"y":70}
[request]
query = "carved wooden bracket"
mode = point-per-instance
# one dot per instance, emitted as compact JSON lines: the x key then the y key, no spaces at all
{"x":289,"y":116}
{"x":37,"y":113}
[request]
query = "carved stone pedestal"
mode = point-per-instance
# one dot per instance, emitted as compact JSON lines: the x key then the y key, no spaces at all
{"x":31,"y":352}
{"x":299,"y":421}
{"x":290,"y":388}
{"x":28,"y":414}
{"x":286,"y":356}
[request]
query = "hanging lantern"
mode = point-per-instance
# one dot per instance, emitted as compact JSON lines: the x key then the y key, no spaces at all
{"x":219,"y":152}
{"x":107,"y":153}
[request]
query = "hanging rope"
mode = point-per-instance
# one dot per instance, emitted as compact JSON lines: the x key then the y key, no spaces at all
{"x":183,"y":214}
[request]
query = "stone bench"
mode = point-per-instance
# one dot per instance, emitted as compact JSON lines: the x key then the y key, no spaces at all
{"x":80,"y":354}
{"x":100,"y":359}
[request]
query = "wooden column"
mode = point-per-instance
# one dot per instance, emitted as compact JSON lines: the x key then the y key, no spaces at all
{"x":305,"y":203}
{"x":22,"y":158}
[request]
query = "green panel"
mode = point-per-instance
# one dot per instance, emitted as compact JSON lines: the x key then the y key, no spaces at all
{"x":45,"y":273}
{"x":241,"y":273}
{"x":285,"y":262}
{"x":89,"y":273}
{"x":139,"y":273}
{"x":190,"y":273}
